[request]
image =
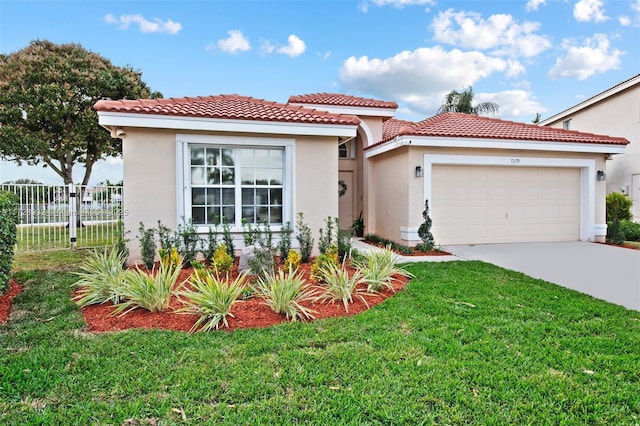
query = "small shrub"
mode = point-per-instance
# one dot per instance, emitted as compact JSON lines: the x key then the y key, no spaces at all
{"x":376,"y":239}
{"x":378,"y":269}
{"x":631,"y":230}
{"x":284,"y":245}
{"x":283,"y":293}
{"x":170,"y":258}
{"x":615,"y":235}
{"x":212,"y":298}
{"x":211,"y":244}
{"x":292,"y":261}
{"x":100,"y":278}
{"x":221,"y":260}
{"x":327,"y":237}
{"x":9,"y":218}
{"x":305,"y":239}
{"x":228,"y":239}
{"x":263,"y":261}
{"x":322,"y":262}
{"x":121,"y":242}
{"x":147,"y":245}
{"x":424,"y":230}
{"x":187,"y":241}
{"x":618,"y":207}
{"x":249,"y":233}
{"x":199,"y":268}
{"x":166,"y":238}
{"x":343,"y":242}
{"x":341,"y":285}
{"x":148,"y":291}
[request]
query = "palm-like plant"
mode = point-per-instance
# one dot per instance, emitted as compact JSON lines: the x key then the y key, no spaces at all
{"x":283,"y":292}
{"x":212,"y":298}
{"x":341,"y":285}
{"x":379,"y":269}
{"x":456,"y":101}
{"x":149,"y":291}
{"x":100,"y":278}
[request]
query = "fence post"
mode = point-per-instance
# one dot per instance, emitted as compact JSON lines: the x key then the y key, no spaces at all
{"x":73,"y":217}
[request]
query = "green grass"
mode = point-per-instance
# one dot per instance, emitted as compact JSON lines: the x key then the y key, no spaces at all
{"x":38,"y":238}
{"x":465,"y":343}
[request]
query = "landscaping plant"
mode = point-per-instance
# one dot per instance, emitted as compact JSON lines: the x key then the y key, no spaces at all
{"x":8,"y":221}
{"x":221,"y":261}
{"x":292,"y":261}
{"x":283,"y":292}
{"x":284,"y":245}
{"x":151,"y":291}
{"x":100,"y":278}
{"x":305,"y":239}
{"x":211,"y":244}
{"x":327,"y":236}
{"x":330,"y":257}
{"x":340,"y":284}
{"x":424,"y":230}
{"x":147,"y":245}
{"x":212,"y":298}
{"x":379,"y":269}
{"x":228,"y":239}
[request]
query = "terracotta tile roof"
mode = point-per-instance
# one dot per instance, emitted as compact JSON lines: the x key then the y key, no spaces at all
{"x":338,"y":99}
{"x":457,"y":125}
{"x":226,"y":107}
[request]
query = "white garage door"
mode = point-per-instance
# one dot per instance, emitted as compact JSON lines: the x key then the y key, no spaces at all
{"x":480,"y":204}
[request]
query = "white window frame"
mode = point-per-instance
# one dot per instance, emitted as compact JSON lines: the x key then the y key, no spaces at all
{"x":351,"y":149}
{"x":183,"y":172}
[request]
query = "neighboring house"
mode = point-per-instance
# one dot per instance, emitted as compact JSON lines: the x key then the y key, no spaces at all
{"x":616,"y":112}
{"x":241,"y":158}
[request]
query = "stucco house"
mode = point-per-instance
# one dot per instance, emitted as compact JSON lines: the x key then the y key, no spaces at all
{"x":615,"y":111}
{"x":237,"y":157}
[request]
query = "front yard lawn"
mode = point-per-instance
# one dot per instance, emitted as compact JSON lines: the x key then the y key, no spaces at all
{"x":464,"y":343}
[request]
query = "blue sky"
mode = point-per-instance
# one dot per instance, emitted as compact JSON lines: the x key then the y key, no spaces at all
{"x":535,"y":56}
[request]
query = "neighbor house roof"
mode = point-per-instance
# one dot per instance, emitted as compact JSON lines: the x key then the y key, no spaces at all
{"x":602,"y":96}
{"x":458,"y":125}
{"x":230,"y":107}
{"x":337,"y":99}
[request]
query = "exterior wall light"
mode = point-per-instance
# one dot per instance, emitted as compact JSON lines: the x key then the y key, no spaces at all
{"x":601,"y":175}
{"x":418,"y":171}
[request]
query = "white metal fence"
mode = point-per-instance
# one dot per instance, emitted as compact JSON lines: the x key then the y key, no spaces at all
{"x":73,"y":216}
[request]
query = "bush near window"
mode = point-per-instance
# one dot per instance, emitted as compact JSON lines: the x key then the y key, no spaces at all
{"x":625,"y":230}
{"x":618,"y":207}
{"x":8,"y":221}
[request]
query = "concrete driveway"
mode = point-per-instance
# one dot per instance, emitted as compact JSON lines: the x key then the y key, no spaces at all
{"x":602,"y":271}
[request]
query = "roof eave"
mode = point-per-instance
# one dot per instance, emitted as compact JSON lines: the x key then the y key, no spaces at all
{"x":108,"y":119}
{"x":511,"y":144}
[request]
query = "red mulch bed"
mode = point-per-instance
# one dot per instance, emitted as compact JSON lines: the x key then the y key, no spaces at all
{"x":250,"y":313}
{"x":6,"y":298}
{"x":415,"y":252}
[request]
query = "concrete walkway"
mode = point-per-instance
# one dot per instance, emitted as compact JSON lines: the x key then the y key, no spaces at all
{"x":602,"y":271}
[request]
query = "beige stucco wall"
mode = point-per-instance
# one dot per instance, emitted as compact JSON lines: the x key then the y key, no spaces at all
{"x":617,"y":115}
{"x":398,"y":206}
{"x":150,"y":175}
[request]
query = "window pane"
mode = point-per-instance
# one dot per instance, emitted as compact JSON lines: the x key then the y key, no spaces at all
{"x":262,"y":176}
{"x":198,"y":196}
{"x":262,"y":158}
{"x":276,"y":215}
{"x":275,"y":176}
{"x":227,"y":157}
{"x":262,"y":214}
{"x":246,"y":157}
{"x":247,"y":196}
{"x":276,"y":196}
{"x":197,"y":156}
{"x":228,"y":176}
{"x":213,"y":196}
{"x":248,"y":176}
{"x":197,"y":213}
{"x":213,"y":155}
{"x":228,"y":196}
{"x":197,"y":175}
{"x":229,"y":214}
{"x":262,"y":196}
{"x":248,"y":214}
{"x":213,"y":175}
{"x":275,"y":159}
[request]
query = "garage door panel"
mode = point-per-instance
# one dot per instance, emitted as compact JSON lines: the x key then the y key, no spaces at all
{"x":505,"y":204}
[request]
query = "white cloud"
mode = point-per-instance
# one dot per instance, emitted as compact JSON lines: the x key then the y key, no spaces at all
{"x":155,"y":26}
{"x":420,"y":78}
{"x":296,"y":47}
{"x":266,"y":47}
{"x":513,"y":103}
{"x":589,"y":10}
{"x":324,"y":55}
{"x":636,"y":6}
{"x":624,"y":20}
{"x":501,"y":33}
{"x":534,"y":4}
{"x":581,"y":62}
{"x":236,"y":42}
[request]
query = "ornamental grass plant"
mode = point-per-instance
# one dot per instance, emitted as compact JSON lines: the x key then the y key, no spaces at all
{"x":211,"y":297}
{"x":379,"y":269}
{"x":283,"y":292}
{"x":101,"y":276}
{"x":151,"y":291}
{"x":341,"y":285}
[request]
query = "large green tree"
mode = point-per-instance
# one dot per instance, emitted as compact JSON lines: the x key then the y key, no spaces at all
{"x":456,"y":101}
{"x":47,"y":93}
